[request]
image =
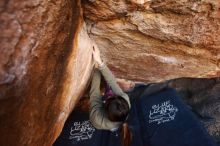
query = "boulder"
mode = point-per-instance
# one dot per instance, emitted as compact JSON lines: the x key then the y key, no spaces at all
{"x":155,"y":40}
{"x":46,"y":57}
{"x":45,"y":64}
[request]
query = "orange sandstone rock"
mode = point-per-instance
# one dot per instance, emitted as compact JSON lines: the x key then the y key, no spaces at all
{"x":45,"y":64}
{"x":156,"y":40}
{"x":46,"y":61}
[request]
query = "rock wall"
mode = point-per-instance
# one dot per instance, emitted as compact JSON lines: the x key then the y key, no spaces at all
{"x":45,"y":63}
{"x":155,"y":40}
{"x":45,"y":55}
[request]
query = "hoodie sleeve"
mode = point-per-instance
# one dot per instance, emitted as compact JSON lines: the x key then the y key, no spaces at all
{"x":111,"y":80}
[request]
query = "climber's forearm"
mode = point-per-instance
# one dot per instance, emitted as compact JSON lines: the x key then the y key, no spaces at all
{"x":111,"y":80}
{"x":95,"y":86}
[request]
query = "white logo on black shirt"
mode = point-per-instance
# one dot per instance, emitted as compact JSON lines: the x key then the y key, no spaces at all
{"x":81,"y":131}
{"x":162,"y":113}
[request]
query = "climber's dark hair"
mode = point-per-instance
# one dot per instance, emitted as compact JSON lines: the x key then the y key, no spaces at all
{"x":117,"y":109}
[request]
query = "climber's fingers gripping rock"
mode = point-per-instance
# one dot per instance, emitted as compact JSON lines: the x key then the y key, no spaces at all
{"x":96,"y":55}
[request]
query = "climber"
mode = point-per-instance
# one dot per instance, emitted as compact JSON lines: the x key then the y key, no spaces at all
{"x":113,"y":114}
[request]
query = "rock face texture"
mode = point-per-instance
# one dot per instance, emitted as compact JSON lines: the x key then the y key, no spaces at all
{"x":155,"y":40}
{"x":45,"y":63}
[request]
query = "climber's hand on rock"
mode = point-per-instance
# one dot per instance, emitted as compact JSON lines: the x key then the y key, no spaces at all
{"x":96,"y":55}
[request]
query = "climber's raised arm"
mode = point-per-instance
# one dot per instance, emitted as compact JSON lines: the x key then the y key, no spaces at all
{"x":108,"y":76}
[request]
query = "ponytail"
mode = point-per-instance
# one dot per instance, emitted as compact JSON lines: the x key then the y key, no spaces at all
{"x":125,"y":135}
